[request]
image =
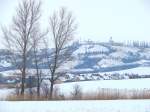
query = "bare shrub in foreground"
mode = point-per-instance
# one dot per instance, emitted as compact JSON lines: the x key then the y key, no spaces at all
{"x":45,"y":89}
{"x":76,"y":93}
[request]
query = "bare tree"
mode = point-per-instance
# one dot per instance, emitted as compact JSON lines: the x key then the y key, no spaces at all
{"x":77,"y":92}
{"x":38,"y":71}
{"x":62,"y":30}
{"x":37,"y":44}
{"x":20,"y":35}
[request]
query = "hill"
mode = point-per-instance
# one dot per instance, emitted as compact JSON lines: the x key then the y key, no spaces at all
{"x":91,"y":59}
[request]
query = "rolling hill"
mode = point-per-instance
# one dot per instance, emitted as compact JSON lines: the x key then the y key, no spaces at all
{"x":96,"y":58}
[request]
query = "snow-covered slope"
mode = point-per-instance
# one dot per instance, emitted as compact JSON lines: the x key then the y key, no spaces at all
{"x":108,"y":57}
{"x":94,"y":57}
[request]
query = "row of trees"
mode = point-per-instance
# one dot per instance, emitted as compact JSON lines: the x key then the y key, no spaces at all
{"x":142,"y":44}
{"x":25,"y":36}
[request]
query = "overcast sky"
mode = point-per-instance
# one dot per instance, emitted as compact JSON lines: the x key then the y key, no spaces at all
{"x":97,"y":19}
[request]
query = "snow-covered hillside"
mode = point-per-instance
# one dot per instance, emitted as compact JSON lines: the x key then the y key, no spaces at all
{"x":109,"y":57}
{"x":96,"y":57}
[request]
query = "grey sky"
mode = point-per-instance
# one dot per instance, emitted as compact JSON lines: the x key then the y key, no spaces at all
{"x":97,"y":19}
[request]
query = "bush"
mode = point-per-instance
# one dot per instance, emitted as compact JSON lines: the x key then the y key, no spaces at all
{"x":76,"y":93}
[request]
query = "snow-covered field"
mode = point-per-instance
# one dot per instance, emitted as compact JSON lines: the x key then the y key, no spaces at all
{"x":77,"y":106}
{"x":94,"y":86}
{"x":84,"y":106}
{"x":4,"y":93}
{"x":137,"y":70}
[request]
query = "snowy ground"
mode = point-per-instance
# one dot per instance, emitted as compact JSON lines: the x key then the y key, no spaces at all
{"x":94,"y":86}
{"x":138,"y":70}
{"x":87,"y":86}
{"x":84,"y":106}
{"x":4,"y":93}
{"x":77,"y":106}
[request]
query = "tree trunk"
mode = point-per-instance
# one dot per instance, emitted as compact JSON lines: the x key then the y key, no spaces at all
{"x":38,"y":88}
{"x":22,"y":82}
{"x":51,"y":90}
{"x":23,"y":72}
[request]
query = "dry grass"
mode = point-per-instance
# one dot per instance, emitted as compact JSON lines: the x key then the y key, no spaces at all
{"x":26,"y":97}
{"x":33,"y":97}
{"x":115,"y":94}
{"x":101,"y":94}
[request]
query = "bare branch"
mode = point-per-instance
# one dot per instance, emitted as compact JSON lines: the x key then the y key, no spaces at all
{"x":62,"y":28}
{"x":23,"y":33}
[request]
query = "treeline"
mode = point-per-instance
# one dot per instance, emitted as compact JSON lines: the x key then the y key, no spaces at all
{"x":142,"y":44}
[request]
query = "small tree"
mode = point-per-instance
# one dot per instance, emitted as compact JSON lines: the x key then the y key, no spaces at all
{"x":62,"y":29}
{"x":77,"y":92}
